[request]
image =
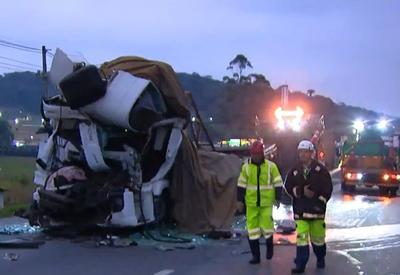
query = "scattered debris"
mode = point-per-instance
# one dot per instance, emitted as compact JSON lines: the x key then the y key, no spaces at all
{"x":10,"y":257}
{"x":165,"y":272}
{"x":115,"y":241}
{"x":216,"y":235}
{"x":22,"y":244}
{"x":283,"y":241}
{"x":165,"y":248}
{"x":19,"y":229}
{"x":372,"y":199}
{"x":171,"y":247}
{"x":123,"y":242}
{"x":185,"y":246}
{"x":239,"y":252}
{"x":286,"y":226}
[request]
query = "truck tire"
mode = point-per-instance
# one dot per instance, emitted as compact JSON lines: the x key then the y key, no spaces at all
{"x":347,"y":188}
{"x":351,"y":189}
{"x":393,"y":192}
{"x":384,"y":191}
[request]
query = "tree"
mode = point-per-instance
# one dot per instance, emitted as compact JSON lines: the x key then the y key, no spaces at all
{"x":196,"y":74}
{"x":236,"y":77}
{"x":259,"y":79}
{"x":228,"y":80}
{"x":6,"y":136}
{"x":310,"y":92}
{"x":241,"y":63}
{"x":245,"y":79}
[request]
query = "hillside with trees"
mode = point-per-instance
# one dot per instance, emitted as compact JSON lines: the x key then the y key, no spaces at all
{"x":228,"y":106}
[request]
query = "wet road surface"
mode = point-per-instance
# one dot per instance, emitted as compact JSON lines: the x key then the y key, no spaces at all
{"x":363,"y":238}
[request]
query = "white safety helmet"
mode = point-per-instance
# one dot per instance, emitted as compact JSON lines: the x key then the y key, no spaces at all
{"x":305,"y":145}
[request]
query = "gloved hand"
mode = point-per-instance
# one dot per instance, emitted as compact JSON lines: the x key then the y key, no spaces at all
{"x":307,"y":192}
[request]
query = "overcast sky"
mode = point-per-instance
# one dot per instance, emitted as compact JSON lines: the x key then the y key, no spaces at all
{"x":348,"y":50}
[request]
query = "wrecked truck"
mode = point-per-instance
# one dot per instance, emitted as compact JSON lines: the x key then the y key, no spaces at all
{"x":119,"y":152}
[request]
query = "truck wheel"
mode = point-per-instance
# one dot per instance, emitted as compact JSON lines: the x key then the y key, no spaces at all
{"x":393,"y":192}
{"x":351,"y":189}
{"x":347,"y":188}
{"x":384,"y":191}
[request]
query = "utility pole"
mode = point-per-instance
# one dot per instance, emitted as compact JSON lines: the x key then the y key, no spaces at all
{"x":285,"y":96}
{"x":44,"y":73}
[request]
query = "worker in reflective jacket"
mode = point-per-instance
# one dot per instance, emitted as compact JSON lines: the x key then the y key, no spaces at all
{"x":259,"y":186}
{"x":310,"y":186}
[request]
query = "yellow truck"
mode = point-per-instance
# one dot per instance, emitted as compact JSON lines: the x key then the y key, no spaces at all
{"x":368,"y":162}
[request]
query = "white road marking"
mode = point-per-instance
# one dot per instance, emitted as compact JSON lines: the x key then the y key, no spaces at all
{"x":165,"y":272}
{"x":354,"y":222}
{"x":374,"y":247}
{"x":353,"y":260}
{"x":361,"y":221}
{"x":351,"y":223}
{"x":362,"y":233}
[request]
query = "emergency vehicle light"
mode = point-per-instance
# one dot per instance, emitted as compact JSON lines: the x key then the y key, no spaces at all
{"x":387,"y":176}
{"x":289,"y":118}
{"x":359,"y":125}
{"x":280,"y":113}
{"x":383,"y":124}
{"x":354,"y":176}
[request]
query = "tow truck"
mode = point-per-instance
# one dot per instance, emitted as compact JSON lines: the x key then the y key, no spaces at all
{"x":293,"y":124}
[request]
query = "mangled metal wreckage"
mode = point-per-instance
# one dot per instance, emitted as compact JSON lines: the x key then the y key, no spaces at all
{"x":118,"y":153}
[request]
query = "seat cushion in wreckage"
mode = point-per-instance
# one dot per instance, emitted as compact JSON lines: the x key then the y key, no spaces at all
{"x":83,"y":86}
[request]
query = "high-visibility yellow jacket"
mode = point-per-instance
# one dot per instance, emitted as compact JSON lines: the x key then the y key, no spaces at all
{"x":260,"y":182}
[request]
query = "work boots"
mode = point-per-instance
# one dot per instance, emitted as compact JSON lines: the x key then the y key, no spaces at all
{"x":320,"y":253}
{"x":321,"y":263}
{"x":298,"y":270}
{"x":255,"y":251}
{"x":302,"y":255}
{"x":270,"y":247}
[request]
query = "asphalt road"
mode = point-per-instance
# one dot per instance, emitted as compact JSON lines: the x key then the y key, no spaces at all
{"x":363,"y":238}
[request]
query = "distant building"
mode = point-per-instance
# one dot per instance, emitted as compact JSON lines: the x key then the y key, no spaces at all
{"x":25,"y":131}
{"x":2,"y":197}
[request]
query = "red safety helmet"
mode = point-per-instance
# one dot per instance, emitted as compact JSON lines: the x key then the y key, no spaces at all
{"x":256,"y":148}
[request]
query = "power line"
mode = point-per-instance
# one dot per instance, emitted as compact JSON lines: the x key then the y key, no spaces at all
{"x":19,"y":45}
{"x":16,"y":48}
{"x":18,"y":61}
{"x":16,"y":66}
{"x":10,"y":69}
